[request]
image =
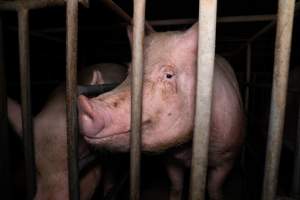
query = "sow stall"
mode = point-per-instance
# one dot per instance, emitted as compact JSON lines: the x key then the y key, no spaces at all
{"x":208,"y":22}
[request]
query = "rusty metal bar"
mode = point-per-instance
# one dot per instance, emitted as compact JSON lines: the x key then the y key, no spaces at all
{"x":248,"y":76}
{"x":278,"y":100}
{"x":5,"y":176}
{"x":34,"y":4}
{"x":28,"y":138}
{"x":71,"y":98}
{"x":296,"y":172}
{"x":136,"y":97}
{"x":119,"y":11}
{"x":206,"y":55}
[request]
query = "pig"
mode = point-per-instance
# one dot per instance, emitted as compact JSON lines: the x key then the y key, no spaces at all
{"x":170,"y":60}
{"x":51,"y":141}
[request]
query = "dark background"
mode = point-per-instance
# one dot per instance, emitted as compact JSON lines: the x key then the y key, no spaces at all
{"x":102,"y":38}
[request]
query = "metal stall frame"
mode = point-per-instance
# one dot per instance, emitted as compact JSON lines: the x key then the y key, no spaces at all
{"x":71,"y":98}
{"x":23,"y":7}
{"x":28,"y":138}
{"x":136,"y":96}
{"x":205,"y":69}
{"x":278,"y":99}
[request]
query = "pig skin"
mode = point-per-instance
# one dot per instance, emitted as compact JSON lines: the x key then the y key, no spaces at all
{"x":50,"y":137}
{"x":168,"y":110}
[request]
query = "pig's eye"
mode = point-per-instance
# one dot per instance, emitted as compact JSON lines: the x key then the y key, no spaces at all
{"x":169,"y":76}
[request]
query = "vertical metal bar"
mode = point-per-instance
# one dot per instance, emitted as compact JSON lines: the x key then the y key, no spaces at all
{"x":71,"y":97}
{"x":296,"y":173}
{"x":136,"y":101}
{"x":26,"y":102}
{"x":206,"y":54}
{"x":5,"y":176}
{"x":248,"y":76}
{"x":280,"y":76}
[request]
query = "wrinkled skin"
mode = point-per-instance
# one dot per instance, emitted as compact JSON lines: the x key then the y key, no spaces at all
{"x":168,"y":110}
{"x":51,"y":141}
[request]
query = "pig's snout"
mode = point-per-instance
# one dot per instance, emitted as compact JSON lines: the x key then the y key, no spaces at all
{"x":90,"y":122}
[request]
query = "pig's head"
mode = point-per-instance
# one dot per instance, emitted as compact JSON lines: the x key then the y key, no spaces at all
{"x":168,"y":98}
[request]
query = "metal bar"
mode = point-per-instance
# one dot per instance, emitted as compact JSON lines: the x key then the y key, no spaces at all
{"x":206,"y":54}
{"x":248,"y":76}
{"x":95,"y":90}
{"x":268,"y":86}
{"x":261,"y":32}
{"x":278,"y":100}
{"x":29,"y":4}
{"x":71,"y":97}
{"x":296,"y":172}
{"x":227,"y":19}
{"x":28,"y":138}
{"x":34,"y":4}
{"x":5,"y":177}
{"x":119,"y":11}
{"x":136,"y":98}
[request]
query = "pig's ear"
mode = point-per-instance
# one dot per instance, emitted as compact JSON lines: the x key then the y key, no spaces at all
{"x":148,"y":31}
{"x":14,"y":115}
{"x":97,"y":78}
{"x":190,"y":38}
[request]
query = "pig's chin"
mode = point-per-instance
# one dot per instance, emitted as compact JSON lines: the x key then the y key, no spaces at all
{"x":114,"y":142}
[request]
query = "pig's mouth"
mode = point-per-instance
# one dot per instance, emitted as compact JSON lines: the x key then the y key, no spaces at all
{"x":93,"y":139}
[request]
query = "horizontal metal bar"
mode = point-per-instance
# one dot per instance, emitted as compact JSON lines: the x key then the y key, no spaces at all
{"x":268,"y":86}
{"x":278,"y":100}
{"x":28,"y":138}
{"x":33,"y":4}
{"x":94,"y":90}
{"x":206,"y":55}
{"x":71,"y":98}
{"x":119,"y":11}
{"x":136,"y":96}
{"x":227,"y":19}
{"x":261,"y":32}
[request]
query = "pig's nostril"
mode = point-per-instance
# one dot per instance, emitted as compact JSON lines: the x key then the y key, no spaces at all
{"x":91,"y":122}
{"x":84,"y":106}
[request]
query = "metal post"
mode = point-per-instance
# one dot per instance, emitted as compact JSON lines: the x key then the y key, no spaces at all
{"x":5,"y":176}
{"x":296,"y":173}
{"x":71,"y":97}
{"x":206,"y":54}
{"x":280,"y":76}
{"x":28,"y":138}
{"x":136,"y":101}
{"x":248,"y":76}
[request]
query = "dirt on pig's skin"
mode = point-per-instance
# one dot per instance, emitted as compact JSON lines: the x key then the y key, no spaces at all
{"x":51,"y":139}
{"x":168,"y":110}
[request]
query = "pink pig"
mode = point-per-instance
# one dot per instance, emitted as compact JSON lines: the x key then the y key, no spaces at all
{"x":168,"y":110}
{"x":51,"y":139}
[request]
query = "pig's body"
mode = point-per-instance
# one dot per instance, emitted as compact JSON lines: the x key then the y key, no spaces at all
{"x":51,"y":139}
{"x":168,"y":110}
